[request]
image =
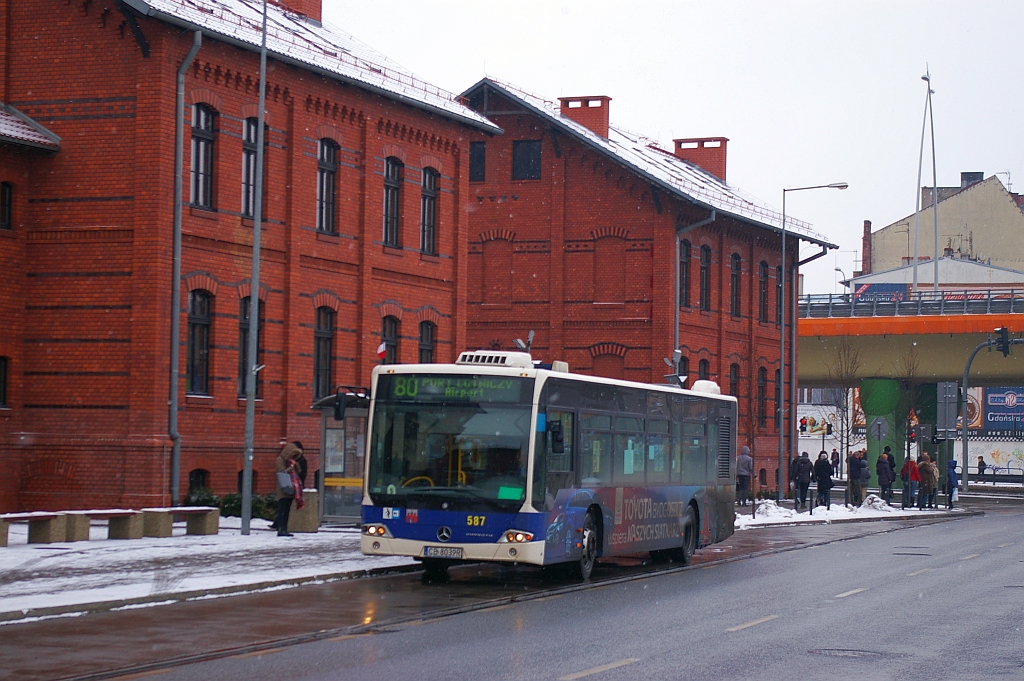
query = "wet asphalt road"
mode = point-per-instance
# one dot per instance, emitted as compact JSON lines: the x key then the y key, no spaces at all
{"x":674,"y":625}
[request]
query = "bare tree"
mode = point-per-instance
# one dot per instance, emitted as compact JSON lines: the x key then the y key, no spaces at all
{"x":842,"y":372}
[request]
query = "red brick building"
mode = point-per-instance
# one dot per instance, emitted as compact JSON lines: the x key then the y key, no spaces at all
{"x":602,"y":242}
{"x":362,"y":237}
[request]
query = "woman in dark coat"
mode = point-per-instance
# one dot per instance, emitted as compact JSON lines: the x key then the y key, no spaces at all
{"x":823,"y":479}
{"x":885,"y":476}
{"x":952,"y":481}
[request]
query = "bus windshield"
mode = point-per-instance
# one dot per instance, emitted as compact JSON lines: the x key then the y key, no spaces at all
{"x":450,"y":442}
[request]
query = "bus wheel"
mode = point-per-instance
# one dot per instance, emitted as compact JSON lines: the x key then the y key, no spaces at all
{"x":684,"y":553}
{"x":588,"y":554}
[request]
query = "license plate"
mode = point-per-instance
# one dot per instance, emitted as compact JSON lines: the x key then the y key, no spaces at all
{"x":443,"y":552}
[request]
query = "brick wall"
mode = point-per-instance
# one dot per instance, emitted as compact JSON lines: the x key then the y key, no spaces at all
{"x":90,"y":347}
{"x":585,"y":258}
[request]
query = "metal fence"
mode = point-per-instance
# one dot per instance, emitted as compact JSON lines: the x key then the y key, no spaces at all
{"x":900,"y":304}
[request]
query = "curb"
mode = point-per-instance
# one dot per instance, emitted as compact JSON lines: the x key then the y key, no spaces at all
{"x":235,"y":590}
{"x":846,"y":521}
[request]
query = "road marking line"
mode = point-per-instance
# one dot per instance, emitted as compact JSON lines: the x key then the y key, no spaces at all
{"x":741,"y":627}
{"x":919,"y":572}
{"x":257,"y":653}
{"x":141,"y":675}
{"x":973,"y":555}
{"x":1003,"y":546}
{"x":849,"y":593}
{"x":598,"y":670}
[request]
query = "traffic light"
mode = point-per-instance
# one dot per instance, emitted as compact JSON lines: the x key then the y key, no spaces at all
{"x":1003,"y":341}
{"x":803,"y":424}
{"x":912,"y":435}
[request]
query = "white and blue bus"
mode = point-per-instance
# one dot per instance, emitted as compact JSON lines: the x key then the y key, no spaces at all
{"x":493,"y":459}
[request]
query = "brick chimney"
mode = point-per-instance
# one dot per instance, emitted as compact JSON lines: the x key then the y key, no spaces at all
{"x":865,"y":249}
{"x":706,"y":152}
{"x":590,"y":112}
{"x":308,"y":8}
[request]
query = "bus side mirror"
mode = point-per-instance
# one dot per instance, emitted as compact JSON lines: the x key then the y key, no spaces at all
{"x":557,"y":440}
{"x":339,"y":406}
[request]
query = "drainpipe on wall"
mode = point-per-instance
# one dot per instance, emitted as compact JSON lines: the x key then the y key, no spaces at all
{"x":172,"y":402}
{"x":679,"y":231}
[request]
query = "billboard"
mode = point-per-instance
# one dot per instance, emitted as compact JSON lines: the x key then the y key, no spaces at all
{"x":1003,"y":412}
{"x":883,"y":293}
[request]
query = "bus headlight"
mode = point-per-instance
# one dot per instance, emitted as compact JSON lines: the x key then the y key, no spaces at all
{"x":376,"y":530}
{"x":516,"y":537}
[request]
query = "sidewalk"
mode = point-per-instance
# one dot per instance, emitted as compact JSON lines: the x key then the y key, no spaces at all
{"x":43,"y":580}
{"x":70,"y":579}
{"x":769,"y":513}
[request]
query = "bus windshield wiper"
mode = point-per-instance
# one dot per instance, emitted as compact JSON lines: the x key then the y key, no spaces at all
{"x":470,"y":491}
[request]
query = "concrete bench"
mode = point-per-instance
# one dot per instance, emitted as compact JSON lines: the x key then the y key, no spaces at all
{"x":307,"y":518}
{"x":158,"y":522}
{"x":44,"y":527}
{"x":121,"y":523}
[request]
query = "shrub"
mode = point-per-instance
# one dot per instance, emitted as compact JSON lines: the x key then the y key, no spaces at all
{"x":263,"y":506}
{"x":202,"y":497}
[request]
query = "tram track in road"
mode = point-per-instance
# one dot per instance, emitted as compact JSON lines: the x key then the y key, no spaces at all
{"x":528,"y":585}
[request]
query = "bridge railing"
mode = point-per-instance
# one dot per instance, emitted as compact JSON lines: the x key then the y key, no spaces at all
{"x":899,"y":304}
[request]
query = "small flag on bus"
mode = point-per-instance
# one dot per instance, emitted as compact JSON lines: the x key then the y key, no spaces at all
{"x":382,"y":350}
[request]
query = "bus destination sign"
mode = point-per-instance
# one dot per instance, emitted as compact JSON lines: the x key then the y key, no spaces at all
{"x":442,"y":388}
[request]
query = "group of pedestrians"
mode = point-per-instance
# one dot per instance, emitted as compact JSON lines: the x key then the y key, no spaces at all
{"x":802,"y":472}
{"x":921,"y":482}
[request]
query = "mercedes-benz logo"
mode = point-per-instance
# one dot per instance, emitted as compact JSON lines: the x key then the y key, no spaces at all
{"x":444,"y":533}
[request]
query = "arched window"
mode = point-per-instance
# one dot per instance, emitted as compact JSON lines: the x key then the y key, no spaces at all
{"x":705,"y":277}
{"x":703,"y":370}
{"x":389,"y":334}
{"x":198,"y":479}
{"x":6,"y":205}
{"x":197,"y":370}
{"x":427,"y":333}
{"x":762,"y":389}
{"x":734,"y":380}
{"x":3,"y":381}
{"x":326,"y":170}
{"x":737,"y":269}
{"x":762,"y":291}
{"x":323,"y":346}
{"x":428,"y":211}
{"x":393,"y":172}
{"x":203,"y":136}
{"x":249,"y":126}
{"x":244,"y":326}
{"x":778,"y":295}
{"x":609,"y":366}
{"x":684,"y":274}
{"x":778,"y":399}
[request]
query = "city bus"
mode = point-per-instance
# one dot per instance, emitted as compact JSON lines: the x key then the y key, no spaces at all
{"x":495,"y":459}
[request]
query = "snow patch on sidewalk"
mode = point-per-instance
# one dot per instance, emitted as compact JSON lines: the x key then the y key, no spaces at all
{"x":770,"y":513}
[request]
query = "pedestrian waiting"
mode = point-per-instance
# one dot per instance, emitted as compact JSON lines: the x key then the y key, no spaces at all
{"x":801,"y":473}
{"x":744,"y":471}
{"x":929,"y":473}
{"x":823,"y":479}
{"x":884,"y":471}
{"x":911,"y":479}
{"x":952,"y":482}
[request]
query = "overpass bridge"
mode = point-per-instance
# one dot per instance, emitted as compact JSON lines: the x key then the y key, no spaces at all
{"x":940,"y":329}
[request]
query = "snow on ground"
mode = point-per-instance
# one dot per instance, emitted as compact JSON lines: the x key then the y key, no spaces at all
{"x":770,"y":513}
{"x":68,"y":574}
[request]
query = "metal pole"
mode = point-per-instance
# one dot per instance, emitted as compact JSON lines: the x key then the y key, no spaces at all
{"x":254,"y":293}
{"x":917,"y":209}
{"x":172,"y":399}
{"x":963,"y":407}
{"x":782,"y":352}
{"x":935,"y":180}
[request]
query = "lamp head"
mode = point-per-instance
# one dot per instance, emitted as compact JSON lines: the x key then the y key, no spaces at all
{"x":838,"y":185}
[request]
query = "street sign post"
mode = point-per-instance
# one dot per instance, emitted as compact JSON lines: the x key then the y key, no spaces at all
{"x":879,"y":429}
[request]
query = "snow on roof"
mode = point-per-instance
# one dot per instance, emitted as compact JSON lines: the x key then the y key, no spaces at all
{"x":300,"y":41}
{"x":665,"y":169}
{"x":17,"y":128}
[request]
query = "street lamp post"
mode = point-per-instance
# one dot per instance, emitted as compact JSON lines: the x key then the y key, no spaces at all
{"x":841,"y":272}
{"x":782,"y":334}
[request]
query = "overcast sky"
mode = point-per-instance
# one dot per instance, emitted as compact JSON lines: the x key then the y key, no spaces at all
{"x":807,"y":92}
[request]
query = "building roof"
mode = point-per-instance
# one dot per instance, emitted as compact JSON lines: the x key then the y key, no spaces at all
{"x":953,"y":272}
{"x":17,"y":128}
{"x":662,"y":168}
{"x":294,"y":39}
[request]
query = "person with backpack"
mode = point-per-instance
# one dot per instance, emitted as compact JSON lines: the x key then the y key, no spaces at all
{"x":802,"y":468}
